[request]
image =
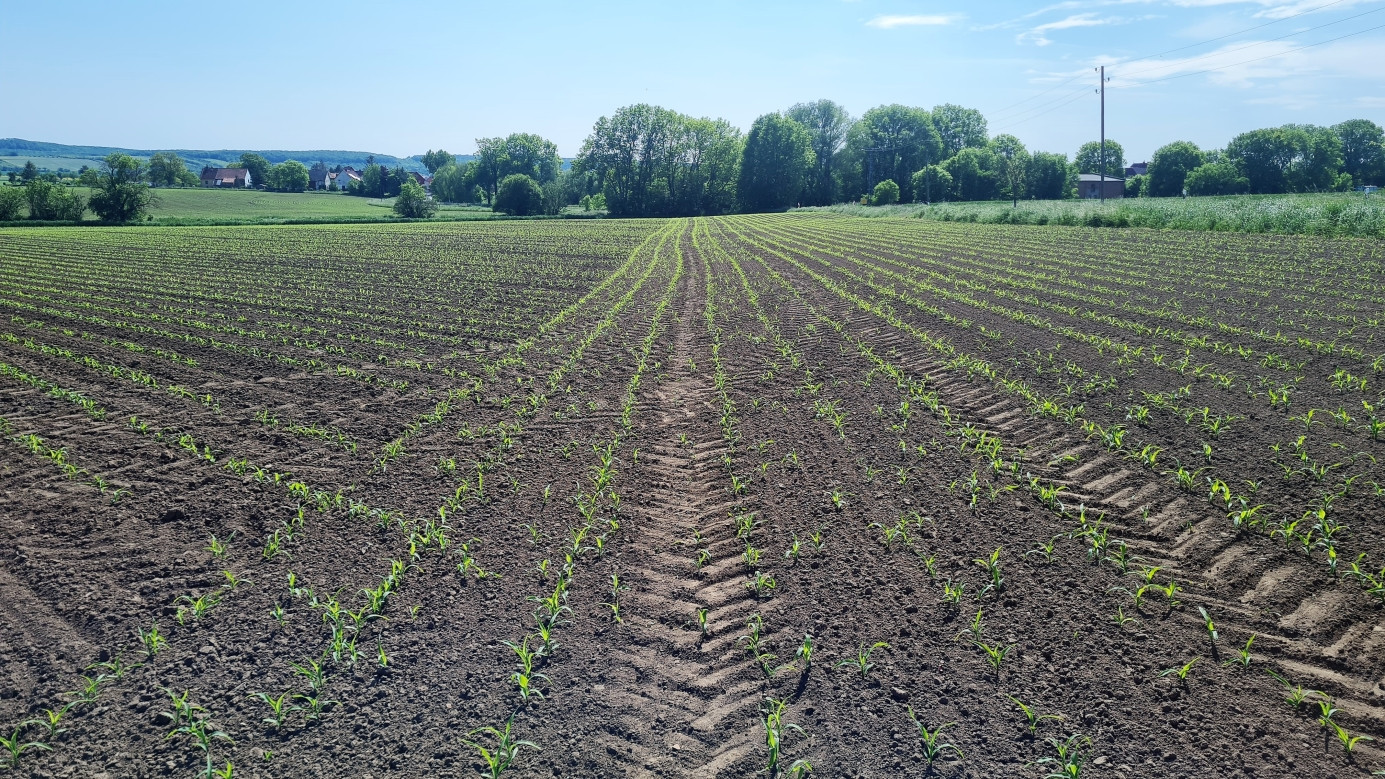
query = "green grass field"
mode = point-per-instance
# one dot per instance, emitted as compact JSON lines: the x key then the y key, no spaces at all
{"x":1331,"y":214}
{"x":196,"y":206}
{"x":73,"y":164}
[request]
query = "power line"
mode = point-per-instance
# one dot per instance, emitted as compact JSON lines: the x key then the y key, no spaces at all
{"x":1256,"y":59}
{"x":1048,"y":107}
{"x":1065,"y":82}
{"x":1085,"y":91}
{"x":1238,"y":32}
{"x":1260,"y":43}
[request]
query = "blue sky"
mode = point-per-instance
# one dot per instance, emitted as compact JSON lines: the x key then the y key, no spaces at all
{"x":401,"y":77}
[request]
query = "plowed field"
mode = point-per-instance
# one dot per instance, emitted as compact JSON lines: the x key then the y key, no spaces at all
{"x":704,"y":498}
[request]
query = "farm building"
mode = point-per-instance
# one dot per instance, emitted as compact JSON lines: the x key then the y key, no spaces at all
{"x":1137,"y":169}
{"x":1089,"y":186}
{"x":226,"y":177}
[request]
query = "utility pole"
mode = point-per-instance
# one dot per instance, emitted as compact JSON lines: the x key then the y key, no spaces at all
{"x":1102,"y":172}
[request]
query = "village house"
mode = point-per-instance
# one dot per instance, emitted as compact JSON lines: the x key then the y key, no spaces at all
{"x":226,"y":177}
{"x":347,"y":175}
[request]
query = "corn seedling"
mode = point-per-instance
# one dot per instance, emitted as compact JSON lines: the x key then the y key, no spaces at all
{"x":762,"y":583}
{"x":775,"y":728}
{"x":313,"y":671}
{"x":1031,"y":715}
{"x":1180,"y":671}
{"x":152,"y":639}
{"x":1297,"y":694}
{"x":218,"y":548}
{"x":1347,"y":740}
{"x":991,"y":564}
{"x":952,"y":596}
{"x":862,"y":662}
{"x":15,"y":747}
{"x":506,"y":749}
{"x":202,"y":738}
{"x":1243,"y":656}
{"x":933,"y":745}
{"x":279,"y":707}
{"x":1044,"y":550}
{"x":994,"y":655}
{"x":1207,"y":622}
{"x":313,"y":705}
{"x":1072,"y":756}
{"x":805,"y":652}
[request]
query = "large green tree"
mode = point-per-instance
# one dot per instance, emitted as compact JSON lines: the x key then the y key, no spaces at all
{"x":288,"y":176}
{"x":976,"y":174}
{"x":828,"y":124}
{"x":30,"y":172}
{"x":890,"y":142}
{"x":455,"y":183}
{"x":435,"y":161}
{"x":11,"y":203}
{"x":258,"y":167}
{"x":413,"y":202}
{"x":1050,"y":176}
{"x":651,"y":161}
{"x":959,"y":128}
{"x":121,"y":194}
{"x":932,"y":184}
{"x":167,"y":169}
{"x":50,"y":201}
{"x":1216,"y":178}
{"x":519,"y":195}
{"x":1169,"y":167}
{"x":1292,"y":158}
{"x":1013,"y":166}
{"x":523,"y":153}
{"x":1363,"y":150}
{"x":1088,"y":159}
{"x":776,"y":162}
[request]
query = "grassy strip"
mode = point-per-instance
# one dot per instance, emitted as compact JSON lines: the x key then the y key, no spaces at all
{"x":1335,"y":214}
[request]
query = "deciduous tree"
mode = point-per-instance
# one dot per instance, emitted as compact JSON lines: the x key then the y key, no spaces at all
{"x":519,"y":195}
{"x":1088,"y":159}
{"x":435,"y":161}
{"x":959,"y":128}
{"x":258,"y":167}
{"x":1169,"y":167}
{"x":413,"y":202}
{"x":120,"y":194}
{"x":828,"y":124}
{"x":775,"y":164}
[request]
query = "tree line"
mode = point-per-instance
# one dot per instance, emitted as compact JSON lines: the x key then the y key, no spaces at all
{"x":649,"y":161}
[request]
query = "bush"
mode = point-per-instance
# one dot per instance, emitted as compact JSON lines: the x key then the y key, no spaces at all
{"x":1217,"y":178}
{"x":413,"y":202}
{"x":51,"y":202}
{"x":11,"y":202}
{"x":519,"y":195}
{"x":885,"y":193}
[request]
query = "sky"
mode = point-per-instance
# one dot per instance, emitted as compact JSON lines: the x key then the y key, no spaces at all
{"x":403,"y":77}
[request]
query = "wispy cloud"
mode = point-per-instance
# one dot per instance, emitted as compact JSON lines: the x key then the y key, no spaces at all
{"x":1039,"y":35}
{"x":1235,"y":66}
{"x":888,"y":22}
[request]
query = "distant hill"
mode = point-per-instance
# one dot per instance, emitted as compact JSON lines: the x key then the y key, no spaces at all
{"x":14,"y":152}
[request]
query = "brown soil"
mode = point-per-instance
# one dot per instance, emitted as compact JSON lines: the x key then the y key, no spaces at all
{"x":654,"y":694}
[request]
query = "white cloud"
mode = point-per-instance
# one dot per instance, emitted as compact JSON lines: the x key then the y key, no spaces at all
{"x":888,"y":22}
{"x":1039,"y":35}
{"x":1240,"y":65}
